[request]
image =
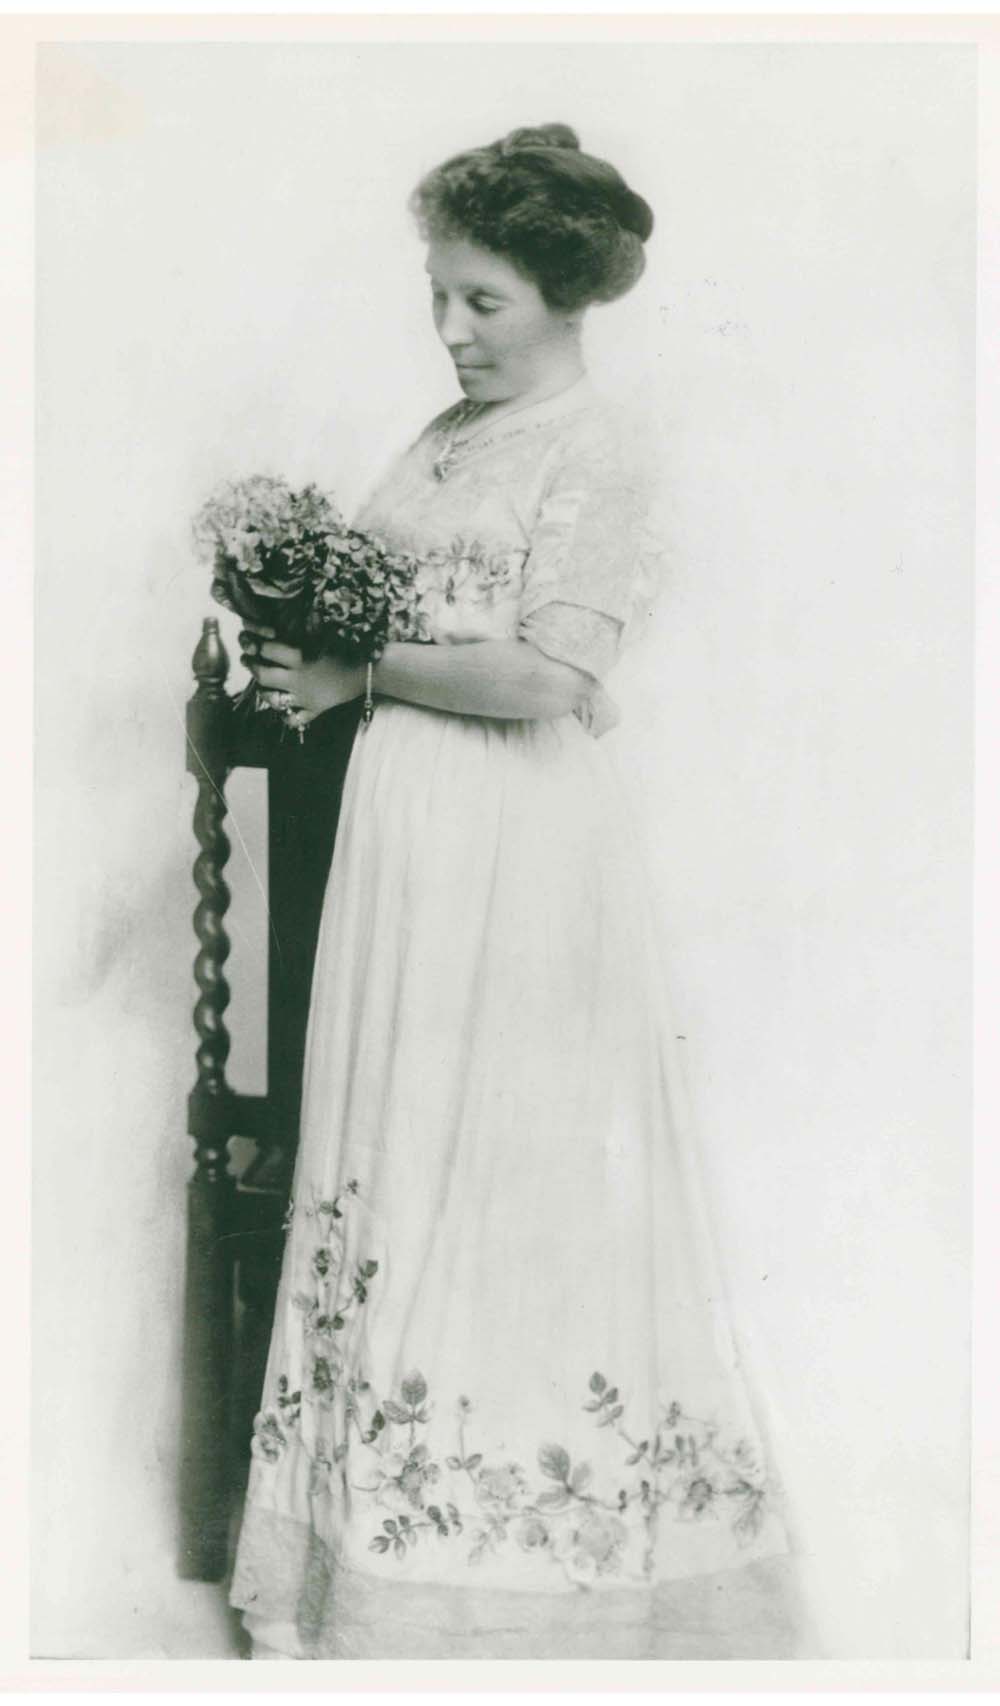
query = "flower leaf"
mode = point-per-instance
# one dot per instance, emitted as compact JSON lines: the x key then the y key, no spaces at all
{"x":553,"y":1460}
{"x":557,"y":1500}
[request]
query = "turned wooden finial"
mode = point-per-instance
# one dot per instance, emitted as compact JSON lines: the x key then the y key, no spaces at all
{"x":211,"y":660}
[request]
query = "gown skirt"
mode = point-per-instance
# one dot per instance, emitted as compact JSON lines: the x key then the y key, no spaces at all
{"x":503,"y":1416}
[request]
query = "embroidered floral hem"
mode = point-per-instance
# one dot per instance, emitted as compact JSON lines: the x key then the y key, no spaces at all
{"x":335,"y":1612}
{"x":621,"y":1499}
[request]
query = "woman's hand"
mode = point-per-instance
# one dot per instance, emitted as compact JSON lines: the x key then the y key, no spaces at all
{"x":312,"y":687}
{"x":480,"y":678}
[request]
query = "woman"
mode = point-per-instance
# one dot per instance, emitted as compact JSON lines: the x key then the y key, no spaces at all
{"x":502,"y":1417}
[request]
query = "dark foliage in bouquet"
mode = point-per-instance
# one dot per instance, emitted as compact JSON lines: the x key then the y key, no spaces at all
{"x":286,"y":560}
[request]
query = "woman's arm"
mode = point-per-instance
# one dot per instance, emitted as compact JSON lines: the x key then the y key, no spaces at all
{"x":483,"y":678}
{"x":480,"y":678}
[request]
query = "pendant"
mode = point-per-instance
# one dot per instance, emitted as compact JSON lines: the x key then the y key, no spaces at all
{"x":441,"y":466}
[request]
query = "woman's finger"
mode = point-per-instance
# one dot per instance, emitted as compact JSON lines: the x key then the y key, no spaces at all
{"x":257,"y":631}
{"x":273,"y":651}
{"x":259,"y":666}
{"x":271,"y":675}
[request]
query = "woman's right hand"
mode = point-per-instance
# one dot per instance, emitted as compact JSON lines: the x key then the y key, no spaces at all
{"x":310,"y":686}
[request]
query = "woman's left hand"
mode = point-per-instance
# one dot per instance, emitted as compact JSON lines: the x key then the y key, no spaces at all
{"x":313,"y":687}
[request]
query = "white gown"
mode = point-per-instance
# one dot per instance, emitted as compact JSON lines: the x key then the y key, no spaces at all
{"x":503,"y":1415}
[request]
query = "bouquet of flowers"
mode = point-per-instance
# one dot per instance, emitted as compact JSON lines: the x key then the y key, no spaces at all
{"x":286,"y":560}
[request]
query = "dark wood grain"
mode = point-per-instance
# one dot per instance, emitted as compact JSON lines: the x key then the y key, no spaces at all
{"x":208,"y":1312}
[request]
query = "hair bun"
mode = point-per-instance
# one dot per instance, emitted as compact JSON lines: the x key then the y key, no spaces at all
{"x":634,"y":214}
{"x":540,"y":136}
{"x":592,"y":175}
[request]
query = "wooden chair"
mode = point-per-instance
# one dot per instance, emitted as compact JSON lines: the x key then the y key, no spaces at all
{"x":235,"y":1210}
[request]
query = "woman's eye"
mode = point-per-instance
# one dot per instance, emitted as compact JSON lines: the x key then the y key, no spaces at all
{"x":439,"y":299}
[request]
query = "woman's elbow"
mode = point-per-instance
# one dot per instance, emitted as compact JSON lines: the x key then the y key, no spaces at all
{"x":558,"y":687}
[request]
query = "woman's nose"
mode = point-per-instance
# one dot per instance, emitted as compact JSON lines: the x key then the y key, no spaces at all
{"x":453,"y":326}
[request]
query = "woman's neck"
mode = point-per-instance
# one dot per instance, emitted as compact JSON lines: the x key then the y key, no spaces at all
{"x":557,"y":378}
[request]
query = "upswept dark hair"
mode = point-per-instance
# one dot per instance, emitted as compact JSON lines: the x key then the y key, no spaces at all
{"x":565,"y":219}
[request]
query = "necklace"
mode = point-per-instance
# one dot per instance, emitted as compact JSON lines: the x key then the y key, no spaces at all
{"x":443,"y":460}
{"x":455,"y":443}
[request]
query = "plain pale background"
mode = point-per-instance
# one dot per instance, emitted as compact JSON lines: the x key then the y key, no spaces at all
{"x":228,"y":281}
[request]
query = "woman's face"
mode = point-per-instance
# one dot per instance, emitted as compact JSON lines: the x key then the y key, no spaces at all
{"x":500,"y":332}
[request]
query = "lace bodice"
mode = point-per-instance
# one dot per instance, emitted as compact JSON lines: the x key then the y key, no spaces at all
{"x":540,"y":529}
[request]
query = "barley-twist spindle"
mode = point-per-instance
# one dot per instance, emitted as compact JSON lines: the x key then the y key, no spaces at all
{"x":208,"y":759}
{"x":213,"y":1049}
{"x":208,"y":1339}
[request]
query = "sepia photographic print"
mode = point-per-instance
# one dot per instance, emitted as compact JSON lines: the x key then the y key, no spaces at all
{"x":505,"y":527}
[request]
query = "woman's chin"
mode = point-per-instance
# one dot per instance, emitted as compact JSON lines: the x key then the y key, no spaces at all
{"x":480,"y":383}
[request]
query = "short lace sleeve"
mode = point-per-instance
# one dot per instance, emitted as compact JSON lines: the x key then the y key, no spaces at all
{"x":595,"y":562}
